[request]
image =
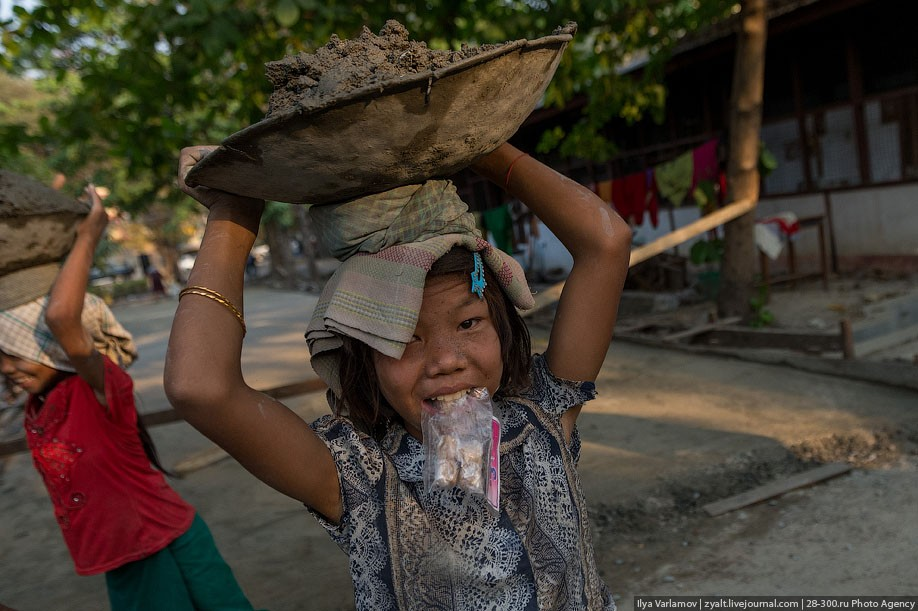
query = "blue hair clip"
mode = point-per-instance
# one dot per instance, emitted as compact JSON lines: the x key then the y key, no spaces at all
{"x":478,"y":278}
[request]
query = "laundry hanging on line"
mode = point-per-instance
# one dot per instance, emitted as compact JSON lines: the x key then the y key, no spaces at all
{"x":640,"y":192}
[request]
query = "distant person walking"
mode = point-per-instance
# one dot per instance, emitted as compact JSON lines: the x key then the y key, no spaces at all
{"x":157,"y":286}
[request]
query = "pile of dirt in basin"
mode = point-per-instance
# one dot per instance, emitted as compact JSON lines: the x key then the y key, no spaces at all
{"x":305,"y":80}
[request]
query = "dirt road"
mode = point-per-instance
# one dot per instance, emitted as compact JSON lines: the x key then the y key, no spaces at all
{"x":851,"y":536}
{"x":670,"y":432}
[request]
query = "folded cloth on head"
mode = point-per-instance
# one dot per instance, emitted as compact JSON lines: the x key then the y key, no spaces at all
{"x":24,"y":333}
{"x":387,"y":243}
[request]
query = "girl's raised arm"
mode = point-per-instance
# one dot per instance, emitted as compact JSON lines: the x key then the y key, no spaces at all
{"x":203,"y":372}
{"x":64,"y":311}
{"x":600,"y":243}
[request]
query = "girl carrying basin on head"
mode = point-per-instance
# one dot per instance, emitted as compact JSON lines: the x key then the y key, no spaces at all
{"x":421,"y":314}
{"x":117,"y":513}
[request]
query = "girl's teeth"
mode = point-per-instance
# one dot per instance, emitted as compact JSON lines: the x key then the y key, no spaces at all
{"x":452,"y":397}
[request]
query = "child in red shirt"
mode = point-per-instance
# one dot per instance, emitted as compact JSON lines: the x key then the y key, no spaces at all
{"x":117,"y":514}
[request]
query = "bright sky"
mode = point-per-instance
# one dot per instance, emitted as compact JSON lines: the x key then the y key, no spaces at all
{"x":6,"y":6}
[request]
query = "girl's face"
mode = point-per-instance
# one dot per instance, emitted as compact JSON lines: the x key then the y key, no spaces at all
{"x":30,"y":376}
{"x":455,"y":348}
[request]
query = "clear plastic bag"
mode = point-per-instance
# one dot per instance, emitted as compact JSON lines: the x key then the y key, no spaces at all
{"x":458,"y":436}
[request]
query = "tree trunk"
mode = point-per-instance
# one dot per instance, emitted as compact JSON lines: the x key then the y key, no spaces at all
{"x":309,"y":248}
{"x":283,"y":268}
{"x":739,"y":264}
{"x":169,"y":255}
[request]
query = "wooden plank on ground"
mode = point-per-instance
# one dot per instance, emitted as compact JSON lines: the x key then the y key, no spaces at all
{"x":215,"y":454}
{"x":673,"y":337}
{"x":634,"y":326}
{"x":296,"y":389}
{"x":783,"y":339}
{"x":199,"y":460}
{"x":165,"y":416}
{"x":773,"y":489}
{"x":13,"y":446}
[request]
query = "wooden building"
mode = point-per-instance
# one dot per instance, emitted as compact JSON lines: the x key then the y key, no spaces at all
{"x":840,"y":117}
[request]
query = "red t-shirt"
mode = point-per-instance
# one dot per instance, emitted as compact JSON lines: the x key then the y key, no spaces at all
{"x":112,"y":506}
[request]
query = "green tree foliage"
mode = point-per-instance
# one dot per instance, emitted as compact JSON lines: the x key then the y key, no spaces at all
{"x":139,"y":80}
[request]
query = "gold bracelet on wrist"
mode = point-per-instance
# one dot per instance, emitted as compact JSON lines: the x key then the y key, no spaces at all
{"x":203,"y":291}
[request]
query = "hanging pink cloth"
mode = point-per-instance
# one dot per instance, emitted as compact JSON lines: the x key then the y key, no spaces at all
{"x":704,"y":158}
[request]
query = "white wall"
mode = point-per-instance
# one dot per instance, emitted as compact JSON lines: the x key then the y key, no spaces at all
{"x":549,"y":260}
{"x":866,"y":222}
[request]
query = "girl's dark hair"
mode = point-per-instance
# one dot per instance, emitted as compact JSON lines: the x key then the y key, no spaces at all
{"x":361,"y":398}
{"x":149,"y":448}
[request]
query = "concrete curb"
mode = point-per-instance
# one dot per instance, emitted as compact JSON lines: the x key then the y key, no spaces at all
{"x":891,"y":373}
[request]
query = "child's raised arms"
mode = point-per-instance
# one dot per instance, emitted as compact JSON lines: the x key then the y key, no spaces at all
{"x":203,"y":374}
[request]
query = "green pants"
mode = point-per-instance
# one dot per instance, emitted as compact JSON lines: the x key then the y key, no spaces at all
{"x":188,"y":574}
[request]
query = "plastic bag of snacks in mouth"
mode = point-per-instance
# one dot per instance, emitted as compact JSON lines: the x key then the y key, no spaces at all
{"x":461,"y":437}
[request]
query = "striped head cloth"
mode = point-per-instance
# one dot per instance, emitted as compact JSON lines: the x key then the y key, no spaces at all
{"x":387,"y":243}
{"x":24,"y":333}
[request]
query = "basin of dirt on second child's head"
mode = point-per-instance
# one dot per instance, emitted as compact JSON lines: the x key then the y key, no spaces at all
{"x":37,"y":223}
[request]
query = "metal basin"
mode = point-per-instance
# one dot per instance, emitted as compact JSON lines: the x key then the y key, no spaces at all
{"x":404,"y":131}
{"x":37,"y":223}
